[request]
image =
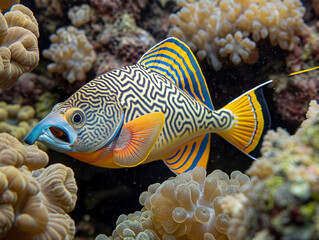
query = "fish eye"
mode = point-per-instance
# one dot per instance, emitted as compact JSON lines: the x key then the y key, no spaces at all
{"x":76,"y":117}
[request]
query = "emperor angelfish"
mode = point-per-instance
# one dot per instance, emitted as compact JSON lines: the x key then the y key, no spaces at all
{"x":157,"y":109}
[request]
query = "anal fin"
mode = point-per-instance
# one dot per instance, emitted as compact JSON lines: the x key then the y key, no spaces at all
{"x":190,"y":155}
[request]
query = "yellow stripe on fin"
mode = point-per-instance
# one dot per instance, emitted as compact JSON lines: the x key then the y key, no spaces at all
{"x":137,"y":138}
{"x":303,"y":71}
{"x":252,"y":121}
{"x":190,"y":155}
{"x":173,"y":59}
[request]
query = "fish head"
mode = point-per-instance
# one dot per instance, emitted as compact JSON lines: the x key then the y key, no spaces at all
{"x":80,"y":124}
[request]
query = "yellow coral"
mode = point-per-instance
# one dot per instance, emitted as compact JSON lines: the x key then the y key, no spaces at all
{"x":16,"y":120}
{"x":19,"y":51}
{"x":71,"y":52}
{"x":215,"y":29}
{"x":34,"y":205}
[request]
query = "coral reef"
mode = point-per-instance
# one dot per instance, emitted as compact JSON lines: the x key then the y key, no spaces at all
{"x":50,"y":7}
{"x":293,"y":93}
{"x":71,"y":52}
{"x":108,"y":10}
{"x":18,"y":44}
{"x":28,"y":89}
{"x":282,"y":201}
{"x":17,"y":120}
{"x":45,"y":103}
{"x":185,"y":207}
{"x":292,"y":99}
{"x":156,"y":18}
{"x":217,"y":29}
{"x":111,"y":32}
{"x":121,"y":43}
{"x":34,"y":200}
{"x":80,"y":15}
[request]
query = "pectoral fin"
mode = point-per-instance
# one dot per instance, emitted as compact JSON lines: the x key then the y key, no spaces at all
{"x":137,"y":138}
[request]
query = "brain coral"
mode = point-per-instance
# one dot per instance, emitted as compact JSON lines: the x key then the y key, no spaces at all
{"x":71,"y":52}
{"x":282,"y":202}
{"x":19,"y":51}
{"x":217,"y":29}
{"x":185,"y":207}
{"x":34,"y":205}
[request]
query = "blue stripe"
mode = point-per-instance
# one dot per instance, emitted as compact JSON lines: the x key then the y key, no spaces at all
{"x":178,"y":158}
{"x":200,"y":152}
{"x":115,"y":134}
{"x":194,"y":64}
{"x":187,"y":88}
{"x":198,"y":73}
{"x":176,"y":81}
{"x":173,"y":155}
{"x":193,"y":148}
{"x":195,"y":67}
{"x":162,"y":69}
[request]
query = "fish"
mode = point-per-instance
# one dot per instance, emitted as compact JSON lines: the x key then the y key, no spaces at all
{"x":157,"y":109}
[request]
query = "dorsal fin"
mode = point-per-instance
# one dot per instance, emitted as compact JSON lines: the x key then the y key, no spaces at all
{"x":174,"y":59}
{"x":190,"y":155}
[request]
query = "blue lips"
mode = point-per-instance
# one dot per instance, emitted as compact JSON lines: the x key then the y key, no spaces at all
{"x":41,"y":132}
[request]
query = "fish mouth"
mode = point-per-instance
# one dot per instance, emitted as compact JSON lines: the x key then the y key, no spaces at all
{"x":56,"y":138}
{"x":55,"y":132}
{"x":58,"y":133}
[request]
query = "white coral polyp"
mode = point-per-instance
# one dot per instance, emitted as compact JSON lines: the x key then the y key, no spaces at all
{"x":80,"y":15}
{"x":71,"y":52}
{"x":200,"y":22}
{"x":189,"y":207}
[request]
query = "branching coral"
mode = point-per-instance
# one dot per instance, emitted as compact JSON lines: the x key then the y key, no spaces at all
{"x":71,"y":52}
{"x":215,"y":29}
{"x":282,"y":201}
{"x":34,"y":205}
{"x":185,"y":207}
{"x":80,"y":15}
{"x":18,"y":44}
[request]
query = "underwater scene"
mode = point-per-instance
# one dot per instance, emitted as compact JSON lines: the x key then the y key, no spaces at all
{"x":159,"y":119}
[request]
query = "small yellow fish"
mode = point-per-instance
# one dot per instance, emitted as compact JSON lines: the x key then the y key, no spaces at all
{"x":157,"y":109}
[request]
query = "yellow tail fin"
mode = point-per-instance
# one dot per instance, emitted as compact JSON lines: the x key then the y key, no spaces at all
{"x":252,"y":121}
